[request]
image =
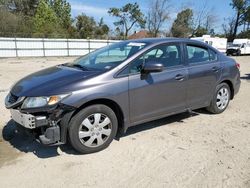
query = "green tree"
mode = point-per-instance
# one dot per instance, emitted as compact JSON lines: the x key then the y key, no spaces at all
{"x":62,"y":10}
{"x":182,"y":26}
{"x":16,"y":17}
{"x":244,"y":34}
{"x":85,"y":26}
{"x":8,"y":23}
{"x":14,"y":25}
{"x":128,"y":16}
{"x":25,"y":7}
{"x":102,"y":30}
{"x":25,"y":18}
{"x":45,"y":21}
{"x":200,"y":31}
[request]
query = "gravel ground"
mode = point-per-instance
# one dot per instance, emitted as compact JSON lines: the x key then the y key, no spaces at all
{"x":185,"y":150}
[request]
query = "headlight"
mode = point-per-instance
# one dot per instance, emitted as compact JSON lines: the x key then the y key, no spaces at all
{"x":34,"y":102}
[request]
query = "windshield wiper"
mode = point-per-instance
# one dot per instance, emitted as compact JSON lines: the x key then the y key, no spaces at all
{"x":76,"y":65}
{"x":80,"y":66}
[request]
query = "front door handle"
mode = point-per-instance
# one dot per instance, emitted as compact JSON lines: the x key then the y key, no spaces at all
{"x":179,"y":77}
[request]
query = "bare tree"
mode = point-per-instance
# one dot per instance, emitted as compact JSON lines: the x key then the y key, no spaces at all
{"x":158,"y":14}
{"x":240,"y":7}
{"x":204,"y":19}
{"x":228,"y":28}
{"x":210,"y":20}
{"x":247,"y":17}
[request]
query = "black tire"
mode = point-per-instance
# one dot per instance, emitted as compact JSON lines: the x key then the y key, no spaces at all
{"x":77,"y":120}
{"x":213,"y":108}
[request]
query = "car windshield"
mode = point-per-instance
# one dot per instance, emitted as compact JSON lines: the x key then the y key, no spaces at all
{"x":236,"y":45}
{"x":108,"y":57}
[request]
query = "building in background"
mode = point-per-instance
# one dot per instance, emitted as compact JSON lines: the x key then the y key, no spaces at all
{"x":139,"y":35}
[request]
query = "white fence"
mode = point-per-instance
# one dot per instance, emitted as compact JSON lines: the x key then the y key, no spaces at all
{"x":34,"y":47}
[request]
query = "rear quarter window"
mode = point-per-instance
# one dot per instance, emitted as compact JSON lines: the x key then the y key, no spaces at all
{"x":213,"y":55}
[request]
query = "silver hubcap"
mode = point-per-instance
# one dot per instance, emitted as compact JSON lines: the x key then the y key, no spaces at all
{"x":95,"y":130}
{"x":222,"y":98}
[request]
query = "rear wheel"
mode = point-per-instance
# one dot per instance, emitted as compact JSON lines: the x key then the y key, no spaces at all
{"x":220,"y":99}
{"x":93,"y":128}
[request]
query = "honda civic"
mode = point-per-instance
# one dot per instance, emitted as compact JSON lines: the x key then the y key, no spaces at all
{"x":88,"y":101}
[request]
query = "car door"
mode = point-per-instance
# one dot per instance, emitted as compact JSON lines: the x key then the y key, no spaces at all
{"x":204,"y":71}
{"x":156,"y":94}
{"x":248,"y":48}
{"x":243,"y":48}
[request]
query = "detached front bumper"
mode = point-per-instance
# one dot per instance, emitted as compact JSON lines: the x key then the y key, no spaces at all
{"x":27,"y":120}
{"x":51,"y":135}
{"x":49,"y":125}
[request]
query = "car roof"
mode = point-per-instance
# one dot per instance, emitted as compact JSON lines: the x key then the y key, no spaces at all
{"x":171,"y":39}
{"x":156,"y":40}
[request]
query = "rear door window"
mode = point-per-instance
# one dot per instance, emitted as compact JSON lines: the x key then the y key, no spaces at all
{"x":197,"y":54}
{"x":213,"y":55}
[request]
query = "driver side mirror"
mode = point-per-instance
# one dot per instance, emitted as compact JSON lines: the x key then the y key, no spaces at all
{"x":152,"y":66}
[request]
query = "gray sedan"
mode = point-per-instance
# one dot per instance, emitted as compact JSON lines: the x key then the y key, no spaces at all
{"x":119,"y":86}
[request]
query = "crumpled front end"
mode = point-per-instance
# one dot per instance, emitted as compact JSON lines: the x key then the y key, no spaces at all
{"x":45,"y":122}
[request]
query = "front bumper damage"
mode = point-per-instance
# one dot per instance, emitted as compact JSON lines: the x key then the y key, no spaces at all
{"x":50,"y":135}
{"x":27,"y":120}
{"x":48,"y":125}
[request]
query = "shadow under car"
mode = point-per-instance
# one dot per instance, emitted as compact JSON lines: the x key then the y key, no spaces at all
{"x":25,"y":141}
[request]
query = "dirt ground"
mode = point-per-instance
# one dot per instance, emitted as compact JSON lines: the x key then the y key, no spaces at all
{"x":186,"y":150}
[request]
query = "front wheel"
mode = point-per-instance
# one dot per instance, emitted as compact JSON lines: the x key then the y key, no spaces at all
{"x":93,"y":129}
{"x":220,"y":99}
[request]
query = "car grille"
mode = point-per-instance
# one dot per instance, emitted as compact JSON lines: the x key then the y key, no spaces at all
{"x":231,"y":50}
{"x":12,"y":98}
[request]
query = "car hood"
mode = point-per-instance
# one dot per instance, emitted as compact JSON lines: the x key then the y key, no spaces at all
{"x":233,"y":48}
{"x":52,"y":81}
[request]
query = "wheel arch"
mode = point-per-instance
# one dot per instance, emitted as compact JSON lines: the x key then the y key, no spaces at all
{"x":111,"y":104}
{"x":230,"y":84}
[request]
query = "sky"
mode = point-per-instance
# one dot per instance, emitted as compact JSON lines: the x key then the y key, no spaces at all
{"x":99,"y":9}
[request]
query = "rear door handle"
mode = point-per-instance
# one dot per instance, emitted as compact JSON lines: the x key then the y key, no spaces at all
{"x":179,"y":77}
{"x":215,"y":69}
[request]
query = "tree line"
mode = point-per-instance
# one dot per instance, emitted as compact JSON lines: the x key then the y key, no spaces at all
{"x":47,"y":18}
{"x":52,"y":19}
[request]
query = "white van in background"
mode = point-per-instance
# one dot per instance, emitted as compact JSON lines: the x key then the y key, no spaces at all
{"x":218,"y":43}
{"x":239,"y":47}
